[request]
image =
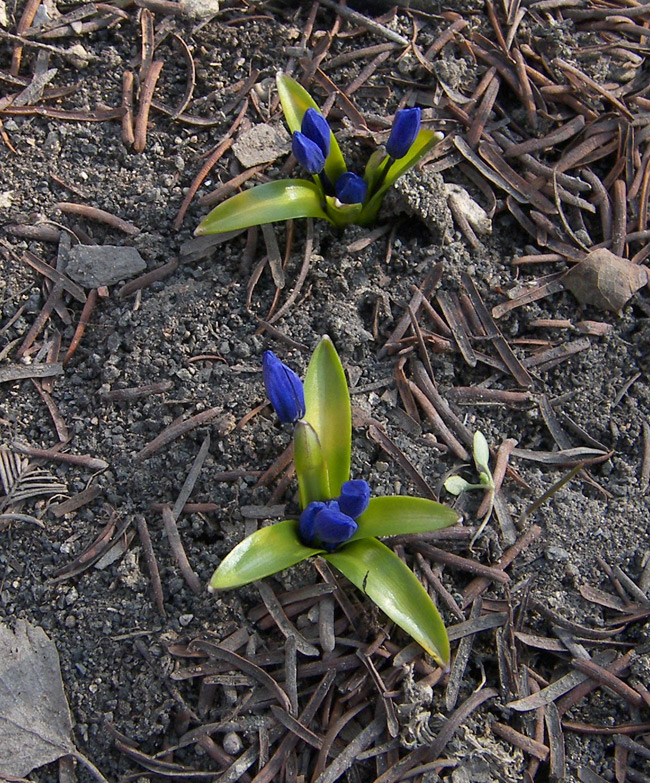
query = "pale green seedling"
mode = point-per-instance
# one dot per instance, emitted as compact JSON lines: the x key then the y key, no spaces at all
{"x":456,"y":485}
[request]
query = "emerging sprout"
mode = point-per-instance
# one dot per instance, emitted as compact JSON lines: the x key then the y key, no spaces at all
{"x":339,"y":520}
{"x":456,"y":485}
{"x":335,"y":194}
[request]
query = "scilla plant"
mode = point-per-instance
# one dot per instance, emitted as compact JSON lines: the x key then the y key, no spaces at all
{"x":339,"y":520}
{"x":335,"y":194}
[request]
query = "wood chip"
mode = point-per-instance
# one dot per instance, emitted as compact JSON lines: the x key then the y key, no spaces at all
{"x":18,"y":372}
{"x":527,"y":744}
{"x":221,"y":653}
{"x":556,"y":689}
{"x":461,"y":659}
{"x":282,"y":621}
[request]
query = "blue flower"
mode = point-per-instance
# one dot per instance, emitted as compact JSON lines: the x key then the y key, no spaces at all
{"x":406,"y":127}
{"x":314,"y":126}
{"x":308,"y":153}
{"x":351,"y":188}
{"x":284,"y":389}
{"x":354,"y":497}
{"x":324,"y":524}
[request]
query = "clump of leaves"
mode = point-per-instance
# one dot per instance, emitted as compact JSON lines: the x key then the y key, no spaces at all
{"x":335,"y":194}
{"x":339,"y":520}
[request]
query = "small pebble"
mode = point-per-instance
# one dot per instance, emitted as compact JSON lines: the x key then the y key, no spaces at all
{"x":232,"y":743}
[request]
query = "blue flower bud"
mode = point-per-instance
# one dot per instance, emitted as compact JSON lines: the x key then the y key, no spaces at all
{"x":307,"y":524}
{"x":355,"y":496}
{"x":314,"y":126}
{"x":405,"y":128}
{"x":284,"y":389}
{"x":308,"y":153}
{"x":351,"y":188}
{"x":324,"y":524}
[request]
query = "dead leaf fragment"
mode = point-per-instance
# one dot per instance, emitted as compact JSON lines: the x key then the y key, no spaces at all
{"x":35,"y":725}
{"x":605,"y":280}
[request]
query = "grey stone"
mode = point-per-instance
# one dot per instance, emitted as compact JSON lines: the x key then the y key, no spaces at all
{"x":232,"y":743}
{"x":200,"y":9}
{"x":95,"y":265}
{"x":261,"y":144}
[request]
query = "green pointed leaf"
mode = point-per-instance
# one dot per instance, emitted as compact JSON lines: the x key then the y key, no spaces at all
{"x":382,"y":576}
{"x":481,"y":452}
{"x":327,"y":403}
{"x":424,"y":141}
{"x":398,"y":515}
{"x":295,"y":101}
{"x":311,"y":470}
{"x":263,"y":553}
{"x":375,"y":168}
{"x":282,"y":200}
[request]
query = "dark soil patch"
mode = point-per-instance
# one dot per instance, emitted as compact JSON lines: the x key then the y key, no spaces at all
{"x":198,"y":329}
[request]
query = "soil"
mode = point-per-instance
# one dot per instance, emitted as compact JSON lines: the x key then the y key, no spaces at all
{"x":199,"y":329}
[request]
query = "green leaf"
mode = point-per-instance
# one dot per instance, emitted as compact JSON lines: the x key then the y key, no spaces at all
{"x":327,"y":403}
{"x":283,"y":200}
{"x":424,"y":141}
{"x":375,"y":168}
{"x":481,"y":452}
{"x":382,"y":576}
{"x":311,"y":470}
{"x":342,"y":215}
{"x":261,"y":554}
{"x":456,"y":485}
{"x":400,"y":514}
{"x":295,"y":101}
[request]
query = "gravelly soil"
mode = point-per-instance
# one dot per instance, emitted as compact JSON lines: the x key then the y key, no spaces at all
{"x":100,"y":618}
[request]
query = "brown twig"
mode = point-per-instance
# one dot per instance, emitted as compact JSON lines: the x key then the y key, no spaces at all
{"x":146,"y":95}
{"x":176,"y":545}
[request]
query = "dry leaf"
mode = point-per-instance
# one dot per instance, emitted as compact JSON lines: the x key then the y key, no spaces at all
{"x":605,"y":280}
{"x":35,"y":725}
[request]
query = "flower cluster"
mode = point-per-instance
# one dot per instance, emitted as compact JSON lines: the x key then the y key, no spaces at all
{"x":340,"y":196}
{"x":333,"y":522}
{"x":311,"y":146}
{"x":325,"y":523}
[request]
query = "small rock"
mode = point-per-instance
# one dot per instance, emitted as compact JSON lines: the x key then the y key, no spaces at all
{"x":232,"y":743}
{"x":95,"y":265}
{"x":556,"y":553}
{"x":605,"y":280}
{"x":474,"y":213}
{"x":261,"y":144}
{"x":78,"y":57}
{"x":200,"y":9}
{"x":185,"y":619}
